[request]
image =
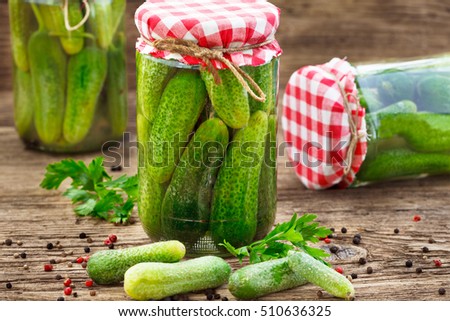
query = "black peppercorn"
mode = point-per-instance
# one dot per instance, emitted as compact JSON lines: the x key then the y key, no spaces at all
{"x":58,"y":277}
{"x":357,"y":235}
{"x":334,"y":249}
{"x":425,"y":249}
{"x":111,"y":246}
{"x":356,"y":240}
{"x":87,"y":249}
{"x":83,"y":235}
{"x":441,"y":291}
{"x":344,"y":230}
{"x":60,"y":299}
{"x":210,"y":296}
{"x":23,"y":255}
{"x":224,"y":298}
{"x":75,"y":294}
{"x":52,"y":261}
{"x":332,"y":229}
{"x":396,"y":231}
{"x":216,"y":296}
{"x":419,"y":270}
{"x":354,"y":276}
{"x":49,"y":246}
{"x":8,"y":242}
{"x":362,"y":261}
{"x":369,"y":270}
{"x":408,"y":263}
{"x":9,"y":285}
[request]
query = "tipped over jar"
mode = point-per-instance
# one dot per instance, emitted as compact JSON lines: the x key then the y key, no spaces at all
{"x":207,"y":137}
{"x":70,"y":85}
{"x":378,"y":122}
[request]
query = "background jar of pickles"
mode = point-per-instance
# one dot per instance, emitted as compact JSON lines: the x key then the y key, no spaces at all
{"x":207,"y":147}
{"x":70,"y":85}
{"x":408,"y":118}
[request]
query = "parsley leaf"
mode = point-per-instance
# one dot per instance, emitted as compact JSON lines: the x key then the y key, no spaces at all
{"x":93,"y":191}
{"x":292,"y":235}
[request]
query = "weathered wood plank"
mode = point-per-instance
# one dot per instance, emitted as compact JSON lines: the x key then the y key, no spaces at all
{"x":36,"y":217}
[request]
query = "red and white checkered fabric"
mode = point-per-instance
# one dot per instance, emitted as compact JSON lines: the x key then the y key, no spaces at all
{"x":212,"y":24}
{"x":316,"y":125}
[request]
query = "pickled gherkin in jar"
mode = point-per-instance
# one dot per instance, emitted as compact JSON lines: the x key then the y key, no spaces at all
{"x":65,"y":97}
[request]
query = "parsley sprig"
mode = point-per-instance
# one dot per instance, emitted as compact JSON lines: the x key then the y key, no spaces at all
{"x":287,"y":236}
{"x":92,"y":189}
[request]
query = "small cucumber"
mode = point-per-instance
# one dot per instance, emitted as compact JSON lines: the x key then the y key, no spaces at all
{"x":229,"y":99}
{"x":267,"y":196}
{"x":314,"y":271}
{"x":23,"y":102}
{"x":263,"y":76}
{"x":187,"y":205}
{"x":151,"y":78}
{"x":403,"y":163}
{"x":53,"y":18}
{"x":155,"y":281}
{"x":86,"y":73}
{"x":48,"y":65}
{"x":181,"y":104}
{"x":20,"y":20}
{"x":116,"y":89}
{"x":235,"y":198}
{"x":434,"y":94}
{"x":106,"y":17}
{"x":256,"y":280}
{"x":109,"y":267}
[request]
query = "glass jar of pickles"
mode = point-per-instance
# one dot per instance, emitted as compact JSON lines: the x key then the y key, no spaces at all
{"x":70,"y":84}
{"x":206,"y":120}
{"x":401,"y":117}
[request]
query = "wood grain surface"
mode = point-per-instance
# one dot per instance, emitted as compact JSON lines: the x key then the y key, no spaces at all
{"x":311,"y":32}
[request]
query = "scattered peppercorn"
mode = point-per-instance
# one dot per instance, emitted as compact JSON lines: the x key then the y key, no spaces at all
{"x":16,"y":255}
{"x":58,"y":277}
{"x":437,"y":263}
{"x":419,"y":270}
{"x":441,"y":291}
{"x":408,"y":263}
{"x":113,"y":238}
{"x":344,"y":230}
{"x":319,"y":294}
{"x":216,"y":296}
{"x":49,"y":246}
{"x":92,"y":293}
{"x":87,"y":249}
{"x":111,"y":246}
{"x":9,"y":285}
{"x":67,"y":282}
{"x":73,"y":286}
{"x":356,"y":240}
{"x":357,"y":235}
{"x":48,"y":267}
{"x":425,"y":249}
{"x":354,"y":276}
{"x":70,"y":264}
{"x":59,"y":246}
{"x":60,"y":299}
{"x":89,"y":240}
{"x":339,"y":269}
{"x":25,"y":267}
{"x":327,"y":240}
{"x":431,"y":240}
{"x":224,"y":298}
{"x":79,"y":260}
{"x":8,"y":242}
{"x":334,"y":249}
{"x":84,"y":265}
{"x":20,"y":243}
{"x":210,"y":296}
{"x":82,"y":235}
{"x":89,"y":283}
{"x":75,"y":294}
{"x":107,"y":242}
{"x":396,"y":231}
{"x":117,"y":168}
{"x":68,"y":291}
{"x":369,"y":270}
{"x":362,"y":261}
{"x":332,"y":229}
{"x":52,"y":261}
{"x":417,"y":218}
{"x":23,"y":255}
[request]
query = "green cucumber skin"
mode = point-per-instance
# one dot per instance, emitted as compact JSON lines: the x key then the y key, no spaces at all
{"x":263,"y":76}
{"x":267,"y":195}
{"x":314,"y":271}
{"x":235,"y":195}
{"x":23,"y":102}
{"x":86,"y":73}
{"x":264,"y":278}
{"x":109,"y":266}
{"x":155,"y":281}
{"x":20,"y":19}
{"x":151,"y":78}
{"x":48,"y":65}
{"x":423,"y":132}
{"x":403,"y":163}
{"x":181,"y":105}
{"x":434,"y":94}
{"x":53,"y":17}
{"x":116,"y":89}
{"x":229,"y":99}
{"x":100,"y":22}
{"x":186,"y":207}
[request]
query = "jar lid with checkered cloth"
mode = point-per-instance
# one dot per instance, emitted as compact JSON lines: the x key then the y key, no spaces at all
{"x":324,"y":125}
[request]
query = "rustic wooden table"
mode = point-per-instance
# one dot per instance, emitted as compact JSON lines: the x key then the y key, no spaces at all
{"x":311,"y":32}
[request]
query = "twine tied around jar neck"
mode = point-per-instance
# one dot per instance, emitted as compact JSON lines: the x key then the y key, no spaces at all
{"x":82,"y":22}
{"x":355,"y":135}
{"x":190,"y":48}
